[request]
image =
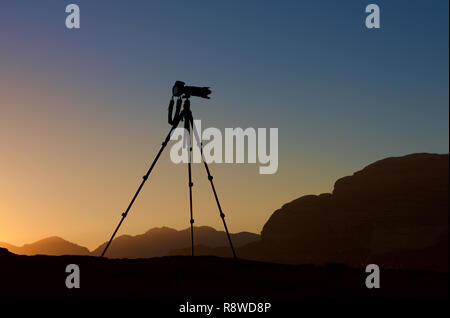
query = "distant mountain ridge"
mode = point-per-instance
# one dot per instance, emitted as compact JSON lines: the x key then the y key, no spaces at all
{"x":162,"y":241}
{"x":159,"y":241}
{"x":53,"y":245}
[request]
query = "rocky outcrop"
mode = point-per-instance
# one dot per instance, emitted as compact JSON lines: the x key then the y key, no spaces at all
{"x":4,"y":252}
{"x":394,"y":211}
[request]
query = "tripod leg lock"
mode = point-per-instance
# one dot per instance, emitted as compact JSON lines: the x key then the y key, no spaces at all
{"x":210,"y":178}
{"x":124,"y":214}
{"x":192,"y":221}
{"x":222,"y":215}
{"x":191,"y":184}
{"x":145,"y":177}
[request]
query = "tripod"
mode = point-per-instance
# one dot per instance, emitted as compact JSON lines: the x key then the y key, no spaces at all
{"x":186,"y":116}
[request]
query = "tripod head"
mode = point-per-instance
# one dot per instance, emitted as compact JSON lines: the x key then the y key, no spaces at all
{"x":187,"y":105}
{"x":179,"y":114}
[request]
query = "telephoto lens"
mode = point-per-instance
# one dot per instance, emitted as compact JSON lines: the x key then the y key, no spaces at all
{"x":202,"y":92}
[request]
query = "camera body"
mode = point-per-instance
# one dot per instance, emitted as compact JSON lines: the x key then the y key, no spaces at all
{"x":179,"y":89}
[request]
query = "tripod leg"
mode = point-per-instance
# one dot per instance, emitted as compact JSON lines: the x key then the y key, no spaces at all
{"x":190,"y":195}
{"x":210,"y":178}
{"x":144,"y":178}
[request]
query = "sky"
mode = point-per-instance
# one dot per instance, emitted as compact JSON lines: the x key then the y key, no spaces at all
{"x":83,"y":112}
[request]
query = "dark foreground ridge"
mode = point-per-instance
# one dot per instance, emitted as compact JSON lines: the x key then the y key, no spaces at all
{"x":204,"y":276}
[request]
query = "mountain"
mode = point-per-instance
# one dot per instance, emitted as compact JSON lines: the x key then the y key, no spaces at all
{"x":49,"y":246}
{"x":155,"y":242}
{"x":393,"y":212}
{"x":161,"y":241}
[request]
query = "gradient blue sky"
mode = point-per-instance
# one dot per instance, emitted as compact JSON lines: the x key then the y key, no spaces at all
{"x":95,"y":98}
